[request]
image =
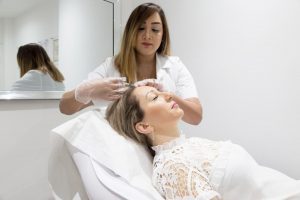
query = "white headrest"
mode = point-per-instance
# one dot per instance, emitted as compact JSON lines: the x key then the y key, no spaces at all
{"x":91,"y":134}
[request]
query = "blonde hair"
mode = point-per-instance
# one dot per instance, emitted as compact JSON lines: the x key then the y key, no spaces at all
{"x":126,"y":59}
{"x":33,"y":56}
{"x":123,"y":114}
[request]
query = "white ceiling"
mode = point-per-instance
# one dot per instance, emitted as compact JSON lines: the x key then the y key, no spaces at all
{"x":12,"y":8}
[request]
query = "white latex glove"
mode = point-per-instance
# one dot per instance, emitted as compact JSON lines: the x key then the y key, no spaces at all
{"x":108,"y":89}
{"x":150,"y":82}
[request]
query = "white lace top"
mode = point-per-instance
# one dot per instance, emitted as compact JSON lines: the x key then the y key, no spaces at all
{"x":182,"y":168}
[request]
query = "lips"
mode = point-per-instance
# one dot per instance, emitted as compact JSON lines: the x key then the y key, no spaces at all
{"x":146,"y":44}
{"x":174,"y":105}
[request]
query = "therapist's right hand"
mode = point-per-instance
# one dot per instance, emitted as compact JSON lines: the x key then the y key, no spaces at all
{"x":108,"y":89}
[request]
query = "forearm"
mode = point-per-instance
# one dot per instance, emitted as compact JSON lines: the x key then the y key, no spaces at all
{"x":192,"y":109}
{"x":68,"y":104}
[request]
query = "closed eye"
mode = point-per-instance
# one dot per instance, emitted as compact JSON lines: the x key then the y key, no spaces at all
{"x":155,"y":98}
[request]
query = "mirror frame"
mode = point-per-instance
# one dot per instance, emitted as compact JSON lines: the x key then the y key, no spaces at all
{"x":10,"y":95}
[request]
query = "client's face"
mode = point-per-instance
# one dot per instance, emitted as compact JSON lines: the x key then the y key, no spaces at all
{"x":159,"y":108}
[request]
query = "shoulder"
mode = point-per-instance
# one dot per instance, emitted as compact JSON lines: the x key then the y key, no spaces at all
{"x":32,"y":75}
{"x":108,"y":62}
{"x":27,"y":81}
{"x":173,"y":63}
{"x":169,"y":59}
{"x":173,"y":59}
{"x":105,"y":69}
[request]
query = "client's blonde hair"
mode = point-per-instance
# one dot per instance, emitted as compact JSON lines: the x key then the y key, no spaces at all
{"x":124,"y":114}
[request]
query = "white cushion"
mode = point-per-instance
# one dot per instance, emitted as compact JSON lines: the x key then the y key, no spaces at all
{"x":91,"y":134}
{"x":63,"y":177}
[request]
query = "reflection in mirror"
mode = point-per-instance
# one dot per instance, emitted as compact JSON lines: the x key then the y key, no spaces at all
{"x":37,"y":71}
{"x":84,"y":34}
{"x":85,"y":37}
{"x":22,"y":22}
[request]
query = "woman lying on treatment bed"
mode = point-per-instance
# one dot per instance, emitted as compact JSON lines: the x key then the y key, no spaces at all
{"x":193,"y":168}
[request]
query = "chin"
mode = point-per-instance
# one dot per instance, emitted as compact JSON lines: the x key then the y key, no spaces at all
{"x":180,"y":113}
{"x":147,"y":53}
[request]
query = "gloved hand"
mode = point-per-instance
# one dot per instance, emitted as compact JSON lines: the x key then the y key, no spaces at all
{"x":108,"y":89}
{"x":150,"y":82}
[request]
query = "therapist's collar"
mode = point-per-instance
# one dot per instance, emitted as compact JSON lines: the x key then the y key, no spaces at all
{"x":162,"y":62}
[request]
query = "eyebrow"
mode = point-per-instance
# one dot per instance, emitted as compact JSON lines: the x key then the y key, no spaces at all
{"x":154,"y":23}
{"x":146,"y":95}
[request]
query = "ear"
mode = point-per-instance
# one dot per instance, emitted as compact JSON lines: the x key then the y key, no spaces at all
{"x":144,"y":128}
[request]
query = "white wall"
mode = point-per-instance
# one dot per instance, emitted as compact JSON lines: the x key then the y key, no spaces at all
{"x":1,"y":53}
{"x":10,"y":69}
{"x":24,"y":147}
{"x":35,"y":25}
{"x":244,"y":56}
{"x":85,"y":31}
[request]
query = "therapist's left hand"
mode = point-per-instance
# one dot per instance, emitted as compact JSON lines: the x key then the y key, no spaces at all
{"x":150,"y":82}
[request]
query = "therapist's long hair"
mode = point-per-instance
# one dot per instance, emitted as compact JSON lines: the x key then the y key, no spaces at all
{"x":126,"y":59}
{"x":123,"y":114}
{"x":34,"y":57}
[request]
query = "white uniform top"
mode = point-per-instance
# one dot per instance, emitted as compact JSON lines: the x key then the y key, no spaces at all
{"x":171,"y":73}
{"x":35,"y":80}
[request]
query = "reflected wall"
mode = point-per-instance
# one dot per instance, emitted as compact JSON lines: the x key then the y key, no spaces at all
{"x":37,"y":24}
{"x":85,"y":32}
{"x":85,"y":37}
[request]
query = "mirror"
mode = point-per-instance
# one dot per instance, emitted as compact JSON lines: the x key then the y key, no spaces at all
{"x":77,"y":35}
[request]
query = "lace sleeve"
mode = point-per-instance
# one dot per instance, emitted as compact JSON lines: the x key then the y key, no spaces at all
{"x":176,"y":180}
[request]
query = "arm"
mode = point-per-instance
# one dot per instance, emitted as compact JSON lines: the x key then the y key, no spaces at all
{"x":107,"y":89}
{"x":97,"y":87}
{"x":68,"y":104}
{"x":177,"y":180}
{"x":186,"y":95}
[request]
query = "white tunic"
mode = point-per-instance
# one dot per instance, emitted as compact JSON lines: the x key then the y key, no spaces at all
{"x":198,"y":168}
{"x":171,"y":73}
{"x":35,"y":80}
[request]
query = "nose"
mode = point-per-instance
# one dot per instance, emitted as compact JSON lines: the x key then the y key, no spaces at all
{"x":147,"y":34}
{"x":168,"y":96}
